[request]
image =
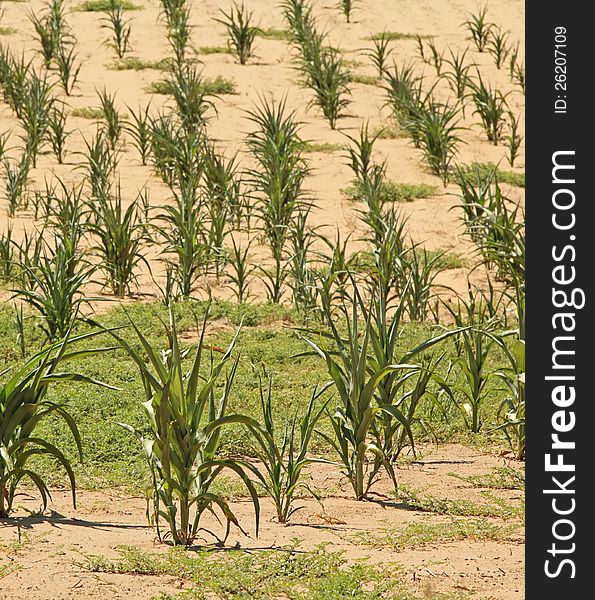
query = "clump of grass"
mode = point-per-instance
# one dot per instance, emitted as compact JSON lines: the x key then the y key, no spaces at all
{"x":208,"y":50}
{"x":240,"y":31}
{"x":132,"y":63}
{"x":499,"y":478}
{"x":271,"y":33}
{"x":364,"y":79}
{"x":104,"y":5}
{"x":215,"y":86}
{"x":415,"y":535}
{"x":87,"y":112}
{"x":392,"y":36}
{"x":472,"y":171}
{"x":389,"y":132}
{"x":322,"y":147}
{"x":391,"y":191}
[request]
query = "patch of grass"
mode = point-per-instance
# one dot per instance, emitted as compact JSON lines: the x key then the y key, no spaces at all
{"x":270,"y":33}
{"x":7,"y":31}
{"x":323,"y":147}
{"x":207,"y":50}
{"x":447,"y":260}
{"x":87,"y":112}
{"x":216,"y":86}
{"x":285,"y":573}
{"x":132,"y":63}
{"x":414,"y":535}
{"x":392,"y":36}
{"x":103,"y":5}
{"x":394,"y":192}
{"x":495,"y":507}
{"x":389,"y":132}
{"x":499,"y":478}
{"x":484,"y":169}
{"x":364,"y":79}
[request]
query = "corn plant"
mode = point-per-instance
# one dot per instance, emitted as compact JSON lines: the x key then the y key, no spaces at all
{"x":34,"y":114}
{"x":347,"y":7}
{"x":491,"y":107}
{"x":436,"y":59}
{"x":238,"y":259}
{"x":334,"y":278}
{"x":302,"y":272}
{"x":14,"y":74}
{"x":519,"y":76}
{"x":7,"y":255}
{"x":458,"y":76}
{"x":68,"y":70}
{"x":473,"y":347}
{"x":177,"y":18}
{"x":326,"y":74}
{"x":182,"y":433}
{"x":51,"y":29}
{"x":479,"y":29}
{"x":436,"y":129}
{"x":283,"y":463}
{"x":56,"y":293}
{"x":120,"y":236}
{"x":140,"y":131}
{"x":404,"y":92}
{"x":418,"y":271}
{"x":514,"y":139}
{"x":240,"y":31}
{"x":27,"y":255}
{"x":101,"y":161}
{"x":380,"y":52}
{"x":65,"y":216}
{"x":24,"y":405}
{"x":57,"y":132}
{"x":184,"y":235}
{"x":119,"y":29}
{"x":277,"y":149}
{"x":15,"y":182}
{"x":192,"y":101}
{"x":498,"y":46}
{"x":112,"y":121}
{"x":357,"y":379}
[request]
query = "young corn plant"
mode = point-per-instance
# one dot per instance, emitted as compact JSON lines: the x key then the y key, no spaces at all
{"x":139,"y":130}
{"x":34,"y":114}
{"x":302,"y":272}
{"x":436,"y":130}
{"x":491,"y":107}
{"x":479,"y":29}
{"x":238,"y":259}
{"x":347,"y":7}
{"x":68,"y":69}
{"x":14,"y":74}
{"x":101,"y":162}
{"x":113,"y":123}
{"x":473,"y":346}
{"x":241,"y":33}
{"x":283,"y":463}
{"x":498,"y":46}
{"x":380,"y":53}
{"x":15,"y":182}
{"x":120,"y":236}
{"x":24,"y":404}
{"x":7,"y":255}
{"x":404,"y":91}
{"x":357,"y":379}
{"x":56,"y":131}
{"x":51,"y":29}
{"x":436,"y":59}
{"x":177,"y":18}
{"x":119,"y":29}
{"x":278,"y":180}
{"x":56,"y":291}
{"x":519,"y":76}
{"x":26,"y":259}
{"x":185,"y":246}
{"x":182,"y":433}
{"x":458,"y":76}
{"x":514,"y":139}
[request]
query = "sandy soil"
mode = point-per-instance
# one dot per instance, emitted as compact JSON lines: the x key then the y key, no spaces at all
{"x":272,"y":72}
{"x":49,"y":562}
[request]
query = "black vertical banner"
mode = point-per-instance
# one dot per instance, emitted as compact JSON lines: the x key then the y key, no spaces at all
{"x":560,"y":176}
